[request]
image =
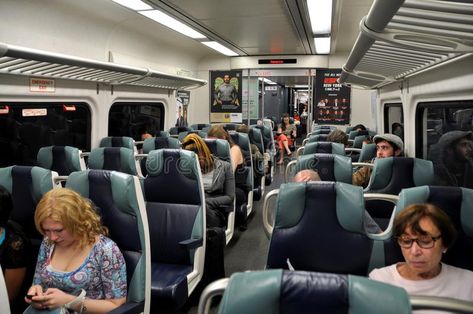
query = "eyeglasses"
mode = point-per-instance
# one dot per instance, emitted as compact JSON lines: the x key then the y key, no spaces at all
{"x":424,"y":241}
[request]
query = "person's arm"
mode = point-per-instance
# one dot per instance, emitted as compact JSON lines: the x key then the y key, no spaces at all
{"x":237,"y":156}
{"x":227,"y":197}
{"x":13,"y":280}
{"x":362,"y":176}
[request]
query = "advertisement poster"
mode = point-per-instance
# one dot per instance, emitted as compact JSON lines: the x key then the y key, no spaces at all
{"x":226,"y":96}
{"x":332,"y":99}
{"x":182,"y":104}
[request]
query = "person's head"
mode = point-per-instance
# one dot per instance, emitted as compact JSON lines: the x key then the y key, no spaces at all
{"x":285,"y":119}
{"x":458,"y":145}
{"x":359,"y":127}
{"x":423,"y":232}
{"x":226,"y":78}
{"x":388,"y":145}
{"x":306,"y":175}
{"x":179,"y":111}
{"x":338,"y":136}
{"x":6,"y":206}
{"x":217,"y":131}
{"x":243,"y":128}
{"x":66,"y":218}
{"x":195,"y":143}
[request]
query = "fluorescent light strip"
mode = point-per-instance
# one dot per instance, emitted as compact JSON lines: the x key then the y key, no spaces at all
{"x":322,"y":45}
{"x":320,"y":12}
{"x":220,"y":48}
{"x":172,"y":23}
{"x":136,"y":5}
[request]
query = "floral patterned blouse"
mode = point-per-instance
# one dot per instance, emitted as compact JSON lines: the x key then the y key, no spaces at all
{"x":102,"y":274}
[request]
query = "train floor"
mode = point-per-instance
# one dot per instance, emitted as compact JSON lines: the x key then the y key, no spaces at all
{"x":248,"y":249}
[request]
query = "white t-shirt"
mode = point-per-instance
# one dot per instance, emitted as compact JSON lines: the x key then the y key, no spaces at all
{"x":452,"y":282}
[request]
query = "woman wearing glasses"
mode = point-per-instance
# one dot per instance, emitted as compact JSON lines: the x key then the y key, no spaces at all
{"x":424,"y":232}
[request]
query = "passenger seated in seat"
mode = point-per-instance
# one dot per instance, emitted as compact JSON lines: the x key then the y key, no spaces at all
{"x":256,"y":155}
{"x":387,"y":145}
{"x":453,"y":163}
{"x":338,"y":136}
{"x":218,"y":180}
{"x":306,"y":175}
{"x":217,"y":131}
{"x":285,"y":137}
{"x":75,"y":257}
{"x":424,"y":232}
{"x":14,"y":247}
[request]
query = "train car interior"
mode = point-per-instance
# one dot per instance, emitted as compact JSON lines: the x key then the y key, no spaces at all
{"x":253,"y":156}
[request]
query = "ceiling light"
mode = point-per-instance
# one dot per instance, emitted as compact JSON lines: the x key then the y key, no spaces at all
{"x":322,"y":45}
{"x":220,"y":48}
{"x":172,"y":23}
{"x":136,"y":5}
{"x":320,"y":12}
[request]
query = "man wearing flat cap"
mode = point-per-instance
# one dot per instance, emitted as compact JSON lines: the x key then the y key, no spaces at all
{"x":387,"y":145}
{"x":453,"y":164}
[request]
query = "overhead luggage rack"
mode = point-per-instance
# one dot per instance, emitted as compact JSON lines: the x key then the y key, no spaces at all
{"x":399,"y":38}
{"x":30,"y":62}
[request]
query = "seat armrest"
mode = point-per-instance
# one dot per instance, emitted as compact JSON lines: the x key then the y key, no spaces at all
{"x":226,"y":209}
{"x":129,"y":308}
{"x":191,"y":244}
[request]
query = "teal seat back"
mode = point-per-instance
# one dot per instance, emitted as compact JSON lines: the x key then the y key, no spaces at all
{"x":121,"y":205}
{"x":324,"y":147}
{"x":329,"y":166}
{"x":118,"y":141}
{"x":62,"y":159}
{"x":281,"y":291}
{"x":113,"y":158}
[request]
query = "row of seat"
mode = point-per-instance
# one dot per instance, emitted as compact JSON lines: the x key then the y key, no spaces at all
{"x":175,"y":236}
{"x":319,"y":226}
{"x":283,"y":291}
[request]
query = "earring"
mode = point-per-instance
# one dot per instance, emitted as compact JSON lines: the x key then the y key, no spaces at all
{"x":444,"y":251}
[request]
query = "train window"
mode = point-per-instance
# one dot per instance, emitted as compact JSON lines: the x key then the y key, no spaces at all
{"x":133,"y":119}
{"x":441,"y":136}
{"x":394,"y":119}
{"x":25,"y":127}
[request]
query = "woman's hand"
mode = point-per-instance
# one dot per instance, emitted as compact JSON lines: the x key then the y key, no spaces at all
{"x":33,"y":293}
{"x":50,"y":299}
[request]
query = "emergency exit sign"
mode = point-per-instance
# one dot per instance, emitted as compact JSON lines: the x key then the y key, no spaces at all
{"x":42,"y":85}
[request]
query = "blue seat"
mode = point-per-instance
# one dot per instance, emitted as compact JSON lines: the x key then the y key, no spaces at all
{"x":269,"y":151}
{"x":182,"y":135}
{"x":175,"y":204}
{"x":330,"y":167}
{"x":62,"y":159}
{"x":457,"y":202}
{"x":256,"y":138}
{"x":244,"y":175}
{"x":221,"y":149}
{"x":200,"y":126}
{"x":315,"y":138}
{"x":282,"y":291}
{"x":319,"y":226}
{"x":353,"y":134}
{"x":392,"y":174}
{"x":323,"y":147}
{"x":157,"y":143}
{"x":174,"y":131}
{"x":368,"y":152}
{"x":118,"y":141}
{"x":121,"y":205}
{"x":161,"y":134}
{"x":321,"y":131}
{"x":114,"y":158}
{"x":27,"y":185}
